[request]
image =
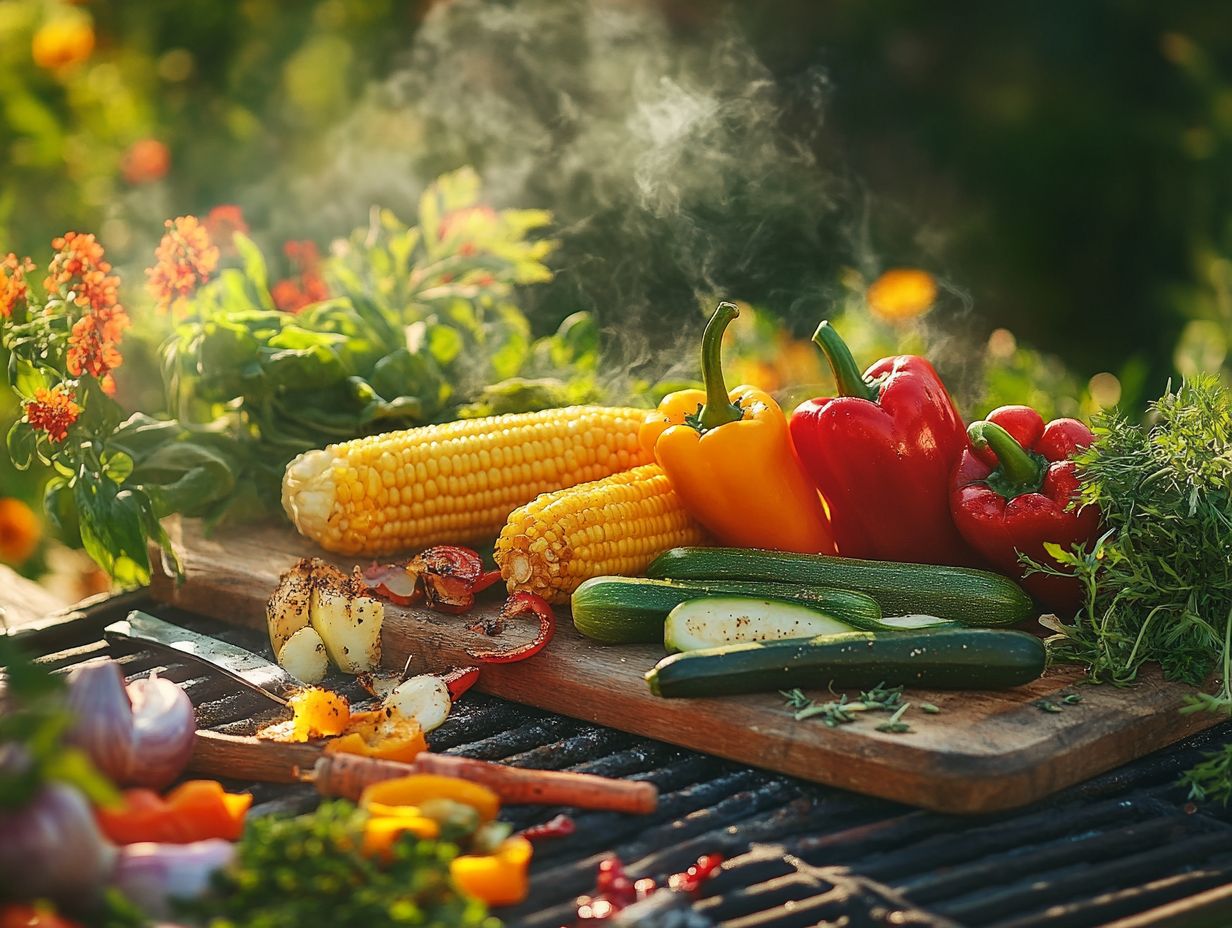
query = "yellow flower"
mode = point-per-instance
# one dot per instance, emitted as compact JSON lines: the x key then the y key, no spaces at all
{"x":19,"y":531}
{"x":902,"y":293}
{"x":63,"y":41}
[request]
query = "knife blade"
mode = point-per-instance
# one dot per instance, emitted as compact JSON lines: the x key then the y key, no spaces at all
{"x":251,"y":670}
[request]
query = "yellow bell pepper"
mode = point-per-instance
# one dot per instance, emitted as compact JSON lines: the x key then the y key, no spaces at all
{"x":500,"y":878}
{"x":375,"y":734}
{"x":730,"y":460}
{"x":418,"y":788}
{"x":381,"y":831}
{"x":318,"y":713}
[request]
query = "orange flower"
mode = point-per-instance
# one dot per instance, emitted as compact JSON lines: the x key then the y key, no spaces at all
{"x":19,"y":531}
{"x":53,"y":411}
{"x":221,"y":224}
{"x":901,"y":294}
{"x":307,"y":286}
{"x":80,"y":272}
{"x":146,"y":160}
{"x":64,"y":41}
{"x":185,"y":259}
{"x":13,"y":286}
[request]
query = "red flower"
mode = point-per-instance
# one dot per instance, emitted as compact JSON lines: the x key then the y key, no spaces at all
{"x":146,"y":160}
{"x":185,"y":259}
{"x":307,"y":286}
{"x":13,"y":286}
{"x":53,"y":411}
{"x":221,"y":224}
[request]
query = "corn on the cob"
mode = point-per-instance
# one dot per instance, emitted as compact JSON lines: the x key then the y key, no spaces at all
{"x":453,"y":483}
{"x":616,"y":525}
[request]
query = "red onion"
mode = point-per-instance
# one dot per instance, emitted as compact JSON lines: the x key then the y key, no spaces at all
{"x":52,"y":848}
{"x":139,"y":735}
{"x":151,"y":875}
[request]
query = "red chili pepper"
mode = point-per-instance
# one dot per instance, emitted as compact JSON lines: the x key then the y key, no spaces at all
{"x":881,"y":453}
{"x":1011,"y":494}
{"x":485,"y":580}
{"x":459,"y":680}
{"x":522,"y":604}
{"x":559,"y":827}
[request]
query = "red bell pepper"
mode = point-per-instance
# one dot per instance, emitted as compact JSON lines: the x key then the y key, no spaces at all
{"x":518,"y":604}
{"x":194,"y":811}
{"x":1011,"y":494}
{"x":881,"y":453}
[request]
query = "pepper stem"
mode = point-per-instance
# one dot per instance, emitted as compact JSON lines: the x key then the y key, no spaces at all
{"x":1018,"y":470}
{"x":846,"y":375}
{"x":719,"y":409}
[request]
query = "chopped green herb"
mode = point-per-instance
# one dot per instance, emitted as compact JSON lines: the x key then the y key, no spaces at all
{"x":1047,"y":705}
{"x":1212,"y":778}
{"x":894,"y":725}
{"x":1070,"y":699}
{"x":929,"y":708}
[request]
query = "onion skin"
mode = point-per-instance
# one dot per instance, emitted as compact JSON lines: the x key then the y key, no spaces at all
{"x":139,"y":735}
{"x":152,"y":875}
{"x":52,"y":849}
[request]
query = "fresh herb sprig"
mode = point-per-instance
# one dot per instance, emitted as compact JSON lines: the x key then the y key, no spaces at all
{"x":1159,"y":581}
{"x":842,"y":711}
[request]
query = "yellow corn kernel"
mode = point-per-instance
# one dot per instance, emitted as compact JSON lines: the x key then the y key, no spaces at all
{"x":616,"y":525}
{"x":452,"y":483}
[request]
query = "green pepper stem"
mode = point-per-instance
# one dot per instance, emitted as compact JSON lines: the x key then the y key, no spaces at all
{"x":1019,"y":471}
{"x":847,"y":376}
{"x":719,"y":409}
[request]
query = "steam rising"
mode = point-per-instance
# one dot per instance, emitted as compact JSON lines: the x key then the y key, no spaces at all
{"x":679,"y":166}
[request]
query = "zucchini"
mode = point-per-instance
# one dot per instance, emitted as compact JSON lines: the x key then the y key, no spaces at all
{"x":714,"y":621}
{"x":624,"y":610}
{"x":972,"y":597}
{"x":964,"y":658}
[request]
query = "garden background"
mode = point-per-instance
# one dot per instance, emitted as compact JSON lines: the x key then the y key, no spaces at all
{"x":1061,"y":173}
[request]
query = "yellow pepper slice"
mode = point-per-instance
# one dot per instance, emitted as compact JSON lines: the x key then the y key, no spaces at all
{"x":375,"y":734}
{"x":417,"y":788}
{"x":381,"y":831}
{"x":317,"y":713}
{"x":500,"y":878}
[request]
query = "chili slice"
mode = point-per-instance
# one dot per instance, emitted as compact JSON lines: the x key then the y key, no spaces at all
{"x":520,"y":604}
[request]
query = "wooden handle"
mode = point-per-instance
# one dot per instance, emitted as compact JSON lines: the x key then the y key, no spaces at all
{"x":346,"y":775}
{"x":242,"y":757}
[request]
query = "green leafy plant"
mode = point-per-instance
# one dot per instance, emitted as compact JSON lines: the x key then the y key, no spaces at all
{"x":400,"y":326}
{"x":309,"y":870}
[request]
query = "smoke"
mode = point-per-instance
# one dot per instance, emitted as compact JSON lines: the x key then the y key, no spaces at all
{"x":680,"y":166}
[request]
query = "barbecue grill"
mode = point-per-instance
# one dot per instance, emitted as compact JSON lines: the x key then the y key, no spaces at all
{"x":1124,"y":850}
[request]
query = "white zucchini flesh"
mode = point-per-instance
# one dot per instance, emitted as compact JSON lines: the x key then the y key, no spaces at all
{"x":908,"y":622}
{"x":715,"y":621}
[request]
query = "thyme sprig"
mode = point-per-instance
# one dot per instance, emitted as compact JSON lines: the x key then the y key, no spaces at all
{"x":842,"y":711}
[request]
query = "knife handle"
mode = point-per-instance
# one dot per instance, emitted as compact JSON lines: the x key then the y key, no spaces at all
{"x":347,"y":775}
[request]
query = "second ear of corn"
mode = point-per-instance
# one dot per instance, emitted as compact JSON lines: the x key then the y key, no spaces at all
{"x":616,"y":525}
{"x":454,"y":483}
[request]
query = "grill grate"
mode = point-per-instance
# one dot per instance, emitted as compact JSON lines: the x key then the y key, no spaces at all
{"x":797,"y":854}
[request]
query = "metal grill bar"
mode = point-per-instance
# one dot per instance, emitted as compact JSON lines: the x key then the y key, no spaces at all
{"x":799,"y":854}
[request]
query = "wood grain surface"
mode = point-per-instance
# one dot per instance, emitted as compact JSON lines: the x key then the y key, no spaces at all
{"x":984,"y":751}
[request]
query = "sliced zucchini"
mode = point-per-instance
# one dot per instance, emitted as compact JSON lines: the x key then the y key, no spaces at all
{"x":715,"y":621}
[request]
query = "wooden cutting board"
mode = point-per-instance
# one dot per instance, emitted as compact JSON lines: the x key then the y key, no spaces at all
{"x":983,"y":751}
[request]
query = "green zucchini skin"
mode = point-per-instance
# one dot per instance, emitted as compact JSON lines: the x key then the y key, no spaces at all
{"x":718,"y":621}
{"x":957,"y":659}
{"x":627,"y":610}
{"x":972,"y":597}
